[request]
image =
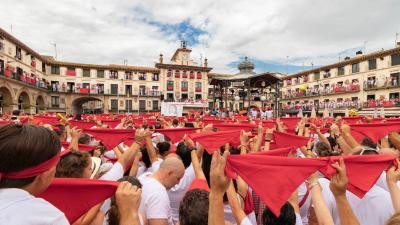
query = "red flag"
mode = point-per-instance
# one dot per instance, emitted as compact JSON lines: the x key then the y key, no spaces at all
{"x":283,"y":152}
{"x":111,"y":137}
{"x":45,"y":120}
{"x":212,"y":141}
{"x":75,"y":196}
{"x":176,"y":134}
{"x":82,"y":147}
{"x":283,"y":140}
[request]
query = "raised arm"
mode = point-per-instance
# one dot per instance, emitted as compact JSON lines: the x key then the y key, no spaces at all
{"x":321,"y":210}
{"x":149,"y":147}
{"x":338,"y":187}
{"x":392,"y":176}
{"x":346,"y":133}
{"x":237,"y":211}
{"x":196,"y":164}
{"x":219,"y":185}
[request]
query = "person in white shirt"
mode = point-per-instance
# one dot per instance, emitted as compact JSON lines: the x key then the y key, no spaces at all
{"x":155,"y":202}
{"x":24,"y":149}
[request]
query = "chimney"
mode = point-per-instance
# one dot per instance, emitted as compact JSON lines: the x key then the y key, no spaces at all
{"x":346,"y":58}
{"x":205,"y":62}
{"x":358,"y":53}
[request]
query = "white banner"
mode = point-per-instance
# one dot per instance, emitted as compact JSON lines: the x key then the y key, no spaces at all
{"x":171,"y":109}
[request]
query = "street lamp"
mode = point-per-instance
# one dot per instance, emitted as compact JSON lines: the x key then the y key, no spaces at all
{"x":237,"y":99}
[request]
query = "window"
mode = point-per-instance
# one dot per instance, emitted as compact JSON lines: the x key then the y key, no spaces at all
{"x":316,"y":76}
{"x":114,"y":104}
{"x":142,"y":76}
{"x":355,"y":68}
{"x":100,"y":88}
{"x":1,"y":44}
{"x":142,"y":90}
{"x":154,"y":91}
{"x":18,"y":53}
{"x":341,"y":71}
{"x":71,"y":71}
{"x":1,"y":67}
{"x":55,"y":70}
{"x":170,"y":85}
{"x":198,"y":86}
{"x":43,"y":67}
{"x":184,"y":86}
{"x":169,"y":73}
{"x":155,"y":105}
{"x":114,"y":89}
{"x":395,"y":59}
{"x":372,"y":64}
{"x":128,"y":89}
{"x":128,"y":75}
{"x":100,"y":73}
{"x":113,"y":74}
{"x":198,"y":96}
{"x":55,"y":101}
{"x":128,"y":105}
{"x":86,"y":72}
{"x":155,"y":77}
{"x":370,"y":97}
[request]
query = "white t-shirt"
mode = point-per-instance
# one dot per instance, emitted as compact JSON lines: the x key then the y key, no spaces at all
{"x":115,"y":173}
{"x":176,"y":193}
{"x":374,"y":209}
{"x":155,"y":201}
{"x":18,"y":207}
{"x":155,"y":166}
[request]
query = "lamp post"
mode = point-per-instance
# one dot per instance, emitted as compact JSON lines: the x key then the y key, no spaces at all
{"x":263,"y":98}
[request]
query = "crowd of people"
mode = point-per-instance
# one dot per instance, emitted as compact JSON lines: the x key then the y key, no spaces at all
{"x":215,"y":167}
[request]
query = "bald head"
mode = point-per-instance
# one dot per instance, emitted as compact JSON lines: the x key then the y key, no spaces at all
{"x":170,"y":172}
{"x":172,"y":163}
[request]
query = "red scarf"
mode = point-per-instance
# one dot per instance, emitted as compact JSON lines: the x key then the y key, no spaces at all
{"x":111,"y":123}
{"x":75,"y":196}
{"x":38,"y":120}
{"x":290,"y":122}
{"x":237,"y":127}
{"x":111,"y":137}
{"x":176,"y":134}
{"x":283,"y":140}
{"x":373,"y":131}
{"x":285,"y":174}
{"x":283,"y":152}
{"x":82,"y":124}
{"x":34,"y":170}
{"x":212,"y":141}
{"x":82,"y":147}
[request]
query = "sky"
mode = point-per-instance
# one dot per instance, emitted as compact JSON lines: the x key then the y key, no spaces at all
{"x":277,"y":35}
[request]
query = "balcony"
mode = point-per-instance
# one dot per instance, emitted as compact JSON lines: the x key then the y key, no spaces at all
{"x":184,"y":75}
{"x":169,"y":74}
{"x":184,"y":88}
{"x":142,"y":77}
{"x":177,"y":75}
{"x":381,"y":103}
{"x":24,"y":79}
{"x":113,"y":76}
{"x":387,"y":85}
{"x":191,"y":76}
{"x":199,"y":76}
{"x":149,"y":93}
{"x":128,"y":77}
{"x":198,"y":89}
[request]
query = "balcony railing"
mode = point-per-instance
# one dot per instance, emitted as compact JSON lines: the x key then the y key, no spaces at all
{"x":386,"y":85}
{"x":177,"y":75}
{"x":149,"y":93}
{"x":198,"y":89}
{"x":31,"y":81}
{"x":184,"y":88}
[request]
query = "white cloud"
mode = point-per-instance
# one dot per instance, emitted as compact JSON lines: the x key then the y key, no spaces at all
{"x":101,"y":31}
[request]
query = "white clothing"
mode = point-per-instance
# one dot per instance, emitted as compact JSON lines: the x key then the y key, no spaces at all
{"x":115,"y":173}
{"x":155,"y":166}
{"x":299,"y":220}
{"x":302,"y":190}
{"x":246,"y":221}
{"x":374,"y":209}
{"x":155,"y":201}
{"x":269,"y":114}
{"x":176,"y":193}
{"x":18,"y":207}
{"x":228,"y":214}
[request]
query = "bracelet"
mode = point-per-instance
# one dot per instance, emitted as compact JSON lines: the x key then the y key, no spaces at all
{"x":267,"y":140}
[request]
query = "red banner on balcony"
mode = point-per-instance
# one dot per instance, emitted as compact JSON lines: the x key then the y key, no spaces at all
{"x":177,"y":75}
{"x":70,"y":73}
{"x":191,"y":76}
{"x":198,"y":89}
{"x":170,"y":88}
{"x":184,"y":88}
{"x":8,"y":73}
{"x":184,"y":75}
{"x":84,"y":90}
{"x":199,"y":76}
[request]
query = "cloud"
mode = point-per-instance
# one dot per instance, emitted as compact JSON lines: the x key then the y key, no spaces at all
{"x":275,"y":34}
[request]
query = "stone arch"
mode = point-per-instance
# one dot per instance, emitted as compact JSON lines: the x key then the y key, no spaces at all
{"x":77,"y":103}
{"x":6,"y":99}
{"x":40,"y":103}
{"x":24,"y":101}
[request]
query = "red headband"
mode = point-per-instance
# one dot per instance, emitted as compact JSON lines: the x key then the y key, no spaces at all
{"x":32,"y":171}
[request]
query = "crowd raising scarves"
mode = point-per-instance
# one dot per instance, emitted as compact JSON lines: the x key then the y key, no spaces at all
{"x":200,"y":169}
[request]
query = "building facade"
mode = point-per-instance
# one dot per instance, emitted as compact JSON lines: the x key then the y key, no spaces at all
{"x":364,"y":83}
{"x":32,"y":82}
